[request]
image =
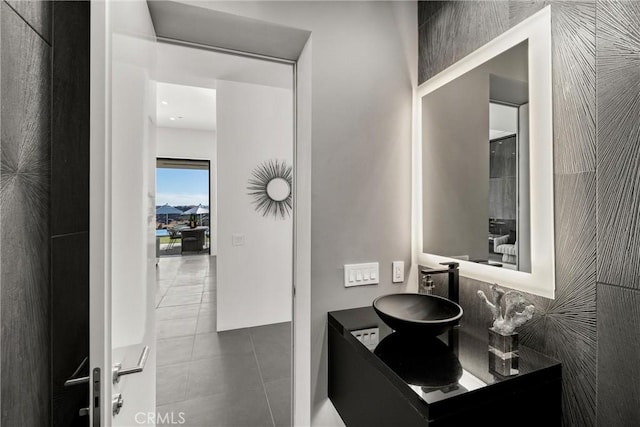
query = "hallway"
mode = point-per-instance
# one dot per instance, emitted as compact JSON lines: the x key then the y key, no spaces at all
{"x":233,"y":378}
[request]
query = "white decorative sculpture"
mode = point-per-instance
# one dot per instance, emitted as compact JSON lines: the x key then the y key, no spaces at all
{"x":510,"y":309}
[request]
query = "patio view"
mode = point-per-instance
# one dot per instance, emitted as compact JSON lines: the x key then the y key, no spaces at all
{"x":182,"y":207}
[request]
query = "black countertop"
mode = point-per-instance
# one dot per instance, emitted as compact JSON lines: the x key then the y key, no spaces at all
{"x":439,"y":373}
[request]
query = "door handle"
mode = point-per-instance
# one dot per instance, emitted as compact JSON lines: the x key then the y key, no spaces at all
{"x":118,"y":371}
{"x":73,"y":380}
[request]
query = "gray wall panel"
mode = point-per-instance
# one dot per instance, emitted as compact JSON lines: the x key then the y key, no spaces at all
{"x":618,"y":350}
{"x":574,"y":90}
{"x":521,"y":10}
{"x":455,"y":29}
{"x":618,"y":143}
{"x":69,"y":326}
{"x":70,"y":130}
{"x":69,"y":211}
{"x":24,"y":204}
{"x":37,"y":13}
{"x":426,"y":9}
{"x":618,"y":207}
{"x":565,"y":327}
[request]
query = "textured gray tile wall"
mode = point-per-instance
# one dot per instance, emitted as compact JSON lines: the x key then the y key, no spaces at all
{"x":44,"y":210}
{"x":24,"y":208}
{"x":566,"y":326}
{"x":574,"y":101}
{"x":618,"y":70}
{"x":618,"y":207}
{"x":452,"y":30}
{"x":37,"y":14}
{"x":618,"y":350}
{"x":573,"y":33}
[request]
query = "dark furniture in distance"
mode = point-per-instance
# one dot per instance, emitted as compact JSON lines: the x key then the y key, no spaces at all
{"x":408,"y":380}
{"x":192,"y":239}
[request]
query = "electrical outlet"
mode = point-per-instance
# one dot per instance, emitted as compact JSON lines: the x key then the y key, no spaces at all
{"x":397,"y":272}
{"x":369,"y":337}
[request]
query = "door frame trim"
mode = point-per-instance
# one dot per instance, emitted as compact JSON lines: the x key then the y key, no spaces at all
{"x":100,"y":199}
{"x":169,"y":40}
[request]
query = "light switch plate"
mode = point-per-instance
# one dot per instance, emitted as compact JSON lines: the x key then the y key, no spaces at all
{"x":237,"y":239}
{"x":397,"y":272}
{"x":361,"y":274}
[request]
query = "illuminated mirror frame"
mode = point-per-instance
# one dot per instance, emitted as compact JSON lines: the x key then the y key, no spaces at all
{"x":541,"y":280}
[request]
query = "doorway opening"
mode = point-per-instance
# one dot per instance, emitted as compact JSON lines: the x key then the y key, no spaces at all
{"x":224,"y":321}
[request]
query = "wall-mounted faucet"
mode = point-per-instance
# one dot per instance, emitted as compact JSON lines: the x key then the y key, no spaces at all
{"x":426,"y":284}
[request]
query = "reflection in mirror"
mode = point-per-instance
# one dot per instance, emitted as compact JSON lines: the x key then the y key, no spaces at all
{"x":475,"y":164}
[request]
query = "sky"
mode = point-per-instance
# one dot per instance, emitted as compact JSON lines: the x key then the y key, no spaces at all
{"x":182,"y":187}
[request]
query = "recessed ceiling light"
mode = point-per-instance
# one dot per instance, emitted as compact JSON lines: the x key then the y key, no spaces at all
{"x":172,"y":118}
{"x":164,"y":103}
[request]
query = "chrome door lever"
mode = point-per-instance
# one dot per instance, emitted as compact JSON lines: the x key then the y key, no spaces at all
{"x":81,"y":380}
{"x":118,"y":371}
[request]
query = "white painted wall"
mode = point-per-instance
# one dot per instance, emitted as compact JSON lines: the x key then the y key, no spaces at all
{"x":186,"y":143}
{"x":255,"y":124}
{"x":195,"y":145}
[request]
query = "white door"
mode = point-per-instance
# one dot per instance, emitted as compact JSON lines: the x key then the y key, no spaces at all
{"x":122,"y":214}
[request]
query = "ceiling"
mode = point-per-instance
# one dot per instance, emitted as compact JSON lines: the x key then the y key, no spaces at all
{"x":185,"y":107}
{"x":198,"y":22}
{"x":186,"y":80}
{"x":199,"y":67}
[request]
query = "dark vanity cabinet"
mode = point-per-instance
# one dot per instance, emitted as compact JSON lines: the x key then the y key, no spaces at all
{"x":378,"y":377}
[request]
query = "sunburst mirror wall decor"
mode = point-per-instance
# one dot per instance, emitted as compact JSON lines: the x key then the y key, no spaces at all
{"x":270,"y":188}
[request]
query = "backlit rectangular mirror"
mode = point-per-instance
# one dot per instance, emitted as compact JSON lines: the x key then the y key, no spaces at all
{"x":484,"y":169}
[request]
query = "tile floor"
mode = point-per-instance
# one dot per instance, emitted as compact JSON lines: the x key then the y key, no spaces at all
{"x":233,"y":379}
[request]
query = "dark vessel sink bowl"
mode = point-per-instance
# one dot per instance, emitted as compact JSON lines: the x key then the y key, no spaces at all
{"x":417,"y":313}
